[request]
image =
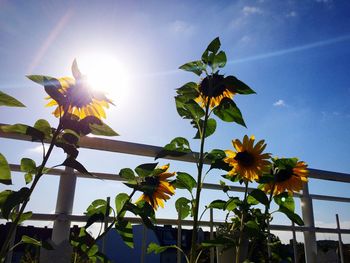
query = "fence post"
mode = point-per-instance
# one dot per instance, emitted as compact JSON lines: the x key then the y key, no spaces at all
{"x":310,"y":244}
{"x":61,"y":226}
{"x":179,"y":238}
{"x":295,"y":244}
{"x":340,"y":240}
{"x":212,"y":251}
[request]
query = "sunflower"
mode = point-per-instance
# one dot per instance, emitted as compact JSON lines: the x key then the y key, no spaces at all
{"x":248,"y":161}
{"x":290,"y":177}
{"x":78,"y":98}
{"x":214,"y":89}
{"x":156,"y":188}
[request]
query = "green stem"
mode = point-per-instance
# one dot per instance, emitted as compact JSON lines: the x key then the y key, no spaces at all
{"x":199,"y":186}
{"x":4,"y":248}
{"x":267,"y":222}
{"x":240,"y":239}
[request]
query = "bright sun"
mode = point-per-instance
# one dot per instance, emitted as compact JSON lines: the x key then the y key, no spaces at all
{"x":105,"y":73}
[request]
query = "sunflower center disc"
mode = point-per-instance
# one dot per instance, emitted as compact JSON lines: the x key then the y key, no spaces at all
{"x":245,"y":159}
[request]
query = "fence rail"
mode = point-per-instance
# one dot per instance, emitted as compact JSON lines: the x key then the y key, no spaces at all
{"x":63,"y":211}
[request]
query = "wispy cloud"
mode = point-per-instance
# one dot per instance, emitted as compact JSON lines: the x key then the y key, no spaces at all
{"x":291,"y":14}
{"x":280,"y":103}
{"x":249,"y":10}
{"x":182,"y":27}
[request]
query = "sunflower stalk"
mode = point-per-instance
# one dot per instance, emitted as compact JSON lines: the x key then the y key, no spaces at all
{"x":240,"y":238}
{"x":199,"y":185}
{"x":267,"y":221}
{"x":5,"y":246}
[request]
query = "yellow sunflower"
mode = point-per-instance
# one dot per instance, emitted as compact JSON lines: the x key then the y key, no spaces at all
{"x":214,"y":89}
{"x":79,"y":98}
{"x":248,"y":161}
{"x":156,"y":188}
{"x":291,"y":178}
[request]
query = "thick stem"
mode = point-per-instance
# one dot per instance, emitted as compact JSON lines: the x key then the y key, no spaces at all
{"x":199,"y":187}
{"x":267,"y":221}
{"x":240,"y":238}
{"x":38,"y":175}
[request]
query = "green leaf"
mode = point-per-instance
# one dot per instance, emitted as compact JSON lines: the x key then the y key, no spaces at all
{"x":96,"y":207}
{"x":179,"y":146}
{"x":157,"y":249}
{"x":35,"y":134}
{"x":25,"y":216}
{"x":75,"y":70}
{"x":13,"y":199}
{"x":28,"y":177}
{"x":68,"y":148}
{"x":218,"y":204}
{"x":98,"y":217}
{"x":188,"y":109}
{"x":211,"y":127}
{"x":285,"y":200}
{"x":291,"y":215}
{"x":16,"y":128}
{"x":189,"y":90}
{"x":44,"y":126}
{"x":216,"y":154}
{"x":7,"y":100}
{"x":260,"y":196}
{"x":145,"y":169}
{"x":40,"y":79}
{"x":28,"y":165}
{"x":232,"y":203}
{"x":103,"y":130}
{"x":127,"y":174}
{"x":30,"y":240}
{"x":238,"y":86}
{"x":124,"y":228}
{"x":120,"y":201}
{"x":216,"y":157}
{"x":229,"y":112}
{"x":5,"y":171}
{"x":214,"y":45}
{"x":219,"y":60}
{"x":71,"y":162}
{"x":182,"y":207}
{"x":252,"y":227}
{"x":185,"y":181}
{"x":196,"y":67}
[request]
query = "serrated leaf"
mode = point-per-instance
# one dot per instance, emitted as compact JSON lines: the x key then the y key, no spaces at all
{"x":185,"y":181}
{"x":238,"y":86}
{"x":291,"y":215}
{"x":43,"y":126}
{"x":196,"y":67}
{"x":124,"y":228}
{"x":145,"y":169}
{"x":214,"y":45}
{"x":103,"y":130}
{"x":120,"y":201}
{"x":260,"y":196}
{"x":13,"y":199}
{"x":127,"y":174}
{"x":232,"y":203}
{"x":28,"y":165}
{"x":211,"y":127}
{"x":189,"y":90}
{"x":71,"y":162}
{"x":179,"y":146}
{"x":285,"y":200}
{"x":217,"y":204}
{"x":219,"y":60}
{"x":182,"y":207}
{"x":229,"y":112}
{"x":5,"y":171}
{"x":30,"y":240}
{"x":9,"y":101}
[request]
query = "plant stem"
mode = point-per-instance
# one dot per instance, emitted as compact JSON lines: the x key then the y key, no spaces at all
{"x":240,"y":239}
{"x":4,"y":248}
{"x":267,"y":221}
{"x":199,"y":186}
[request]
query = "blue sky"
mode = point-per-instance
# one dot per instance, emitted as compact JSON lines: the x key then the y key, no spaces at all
{"x":294,"y":54}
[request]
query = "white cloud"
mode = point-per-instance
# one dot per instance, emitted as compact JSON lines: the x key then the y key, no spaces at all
{"x":280,"y":103}
{"x":249,"y":10}
{"x":181,"y":27}
{"x":245,"y":39}
{"x":36,"y":149}
{"x":291,"y":14}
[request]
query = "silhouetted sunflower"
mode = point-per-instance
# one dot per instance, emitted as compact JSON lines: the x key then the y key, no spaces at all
{"x":248,"y":161}
{"x":290,"y":178}
{"x":156,"y":188}
{"x":214,"y":88}
{"x":77,"y":98}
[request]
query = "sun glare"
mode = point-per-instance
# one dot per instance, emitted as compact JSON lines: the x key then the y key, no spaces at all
{"x":105,"y":73}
